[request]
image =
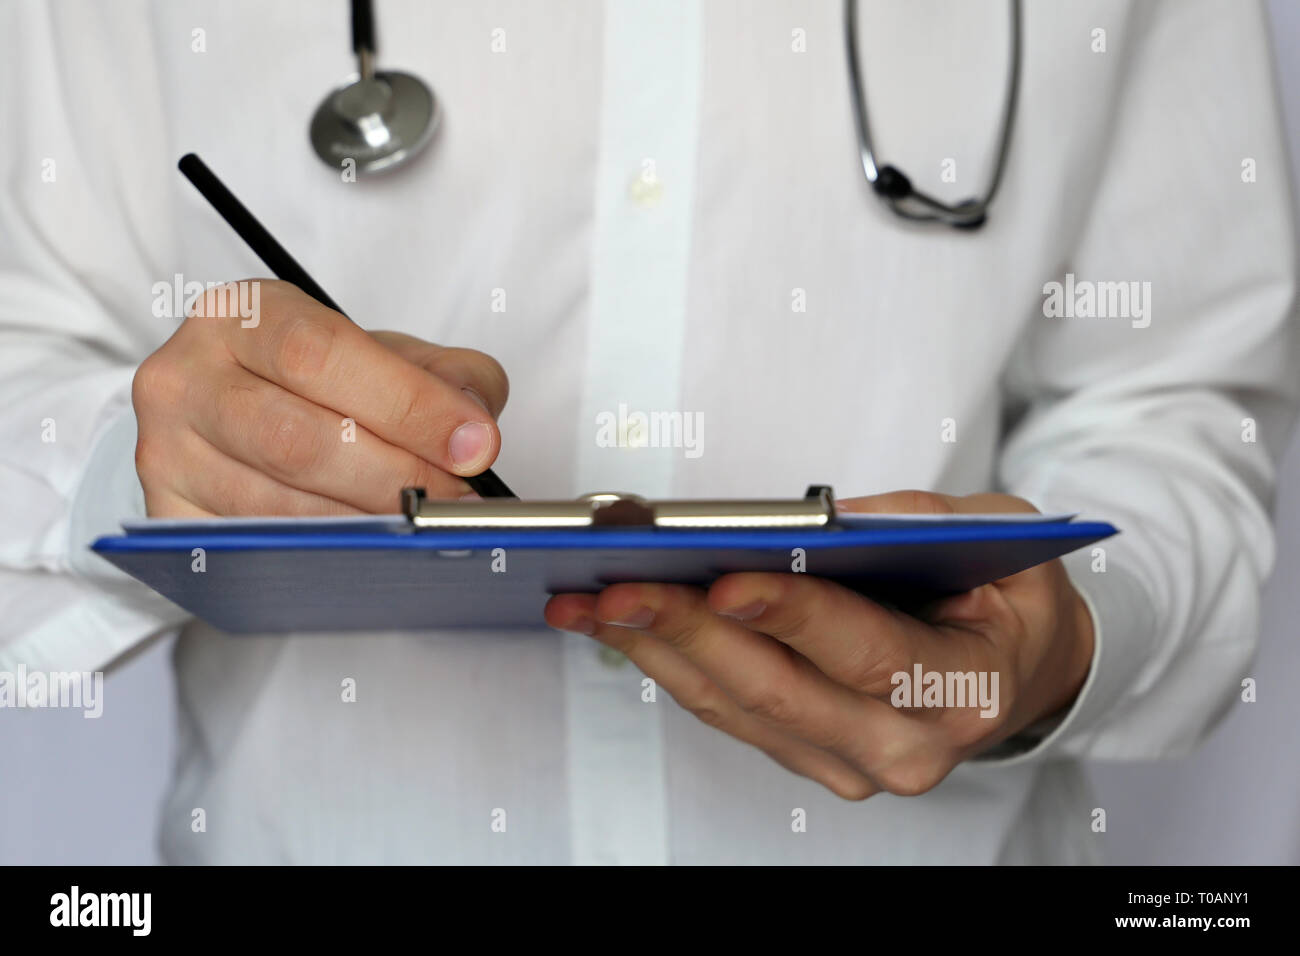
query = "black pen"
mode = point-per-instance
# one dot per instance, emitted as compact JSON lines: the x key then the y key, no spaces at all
{"x":284,"y":266}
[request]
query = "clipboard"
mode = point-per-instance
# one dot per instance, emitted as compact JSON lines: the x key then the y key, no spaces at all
{"x":492,"y":564}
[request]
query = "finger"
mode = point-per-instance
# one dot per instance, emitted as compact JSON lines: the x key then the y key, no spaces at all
{"x":900,"y":502}
{"x":764,"y":678}
{"x":318,"y":354}
{"x":856,"y":642}
{"x":307,"y":447}
{"x":470,"y":369}
{"x":929,"y":502}
{"x":223,"y":486}
{"x":699,"y":695}
{"x":168,"y":504}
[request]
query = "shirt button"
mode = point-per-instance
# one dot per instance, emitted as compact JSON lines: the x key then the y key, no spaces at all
{"x":632,"y":435}
{"x":610,"y":657}
{"x":646,"y":188}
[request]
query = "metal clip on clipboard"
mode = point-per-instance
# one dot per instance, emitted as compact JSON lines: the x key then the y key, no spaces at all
{"x":815,"y":510}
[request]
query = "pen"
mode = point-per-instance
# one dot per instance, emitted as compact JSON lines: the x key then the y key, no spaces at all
{"x":284,"y":266}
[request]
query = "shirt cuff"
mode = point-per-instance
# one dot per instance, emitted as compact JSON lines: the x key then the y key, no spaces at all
{"x":86,"y":619}
{"x":1122,"y":624}
{"x":108,"y":492}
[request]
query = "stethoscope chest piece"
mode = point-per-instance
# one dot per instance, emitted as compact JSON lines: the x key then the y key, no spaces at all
{"x":378,"y":119}
{"x":378,"y":122}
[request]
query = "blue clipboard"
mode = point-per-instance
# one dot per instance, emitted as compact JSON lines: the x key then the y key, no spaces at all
{"x":381,"y":573}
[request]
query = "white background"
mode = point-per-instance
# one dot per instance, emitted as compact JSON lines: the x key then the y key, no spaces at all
{"x":87,"y":791}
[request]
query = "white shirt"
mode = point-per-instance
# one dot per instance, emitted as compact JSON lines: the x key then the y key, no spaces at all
{"x":668,"y":193}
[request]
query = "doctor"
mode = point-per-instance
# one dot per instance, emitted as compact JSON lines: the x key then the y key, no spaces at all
{"x":660,"y":206}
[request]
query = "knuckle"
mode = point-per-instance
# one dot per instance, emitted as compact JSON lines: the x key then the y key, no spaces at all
{"x":681,"y":636}
{"x":704,"y":702}
{"x":841,"y":739}
{"x":864,"y":674}
{"x":855,"y":789}
{"x":771,"y":704}
{"x":148,"y":463}
{"x":912,"y":777}
{"x":869,"y":671}
{"x":155,"y":384}
{"x":289,"y":441}
{"x":305,"y":344}
{"x":708,"y":711}
{"x":407,"y":406}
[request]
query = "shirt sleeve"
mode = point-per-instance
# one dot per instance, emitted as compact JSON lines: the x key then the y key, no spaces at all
{"x":1169,"y":424}
{"x":79,"y":237}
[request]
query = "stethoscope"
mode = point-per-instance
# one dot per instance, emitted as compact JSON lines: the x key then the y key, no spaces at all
{"x":378,"y":120}
{"x":889,"y":182}
{"x":381,"y":120}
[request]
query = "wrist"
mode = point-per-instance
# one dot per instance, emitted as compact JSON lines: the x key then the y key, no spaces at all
{"x":1078,"y":638}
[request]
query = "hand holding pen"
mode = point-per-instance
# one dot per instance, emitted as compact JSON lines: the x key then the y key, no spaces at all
{"x":268,"y":400}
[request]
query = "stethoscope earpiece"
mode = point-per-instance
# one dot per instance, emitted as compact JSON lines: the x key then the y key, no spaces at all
{"x":378,"y":120}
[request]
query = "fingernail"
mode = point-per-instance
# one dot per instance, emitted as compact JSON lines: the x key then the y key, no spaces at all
{"x":746,"y":612}
{"x":583,"y":625}
{"x":469,"y":444}
{"x":477,"y":398}
{"x":641,"y":617}
{"x":472,"y":496}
